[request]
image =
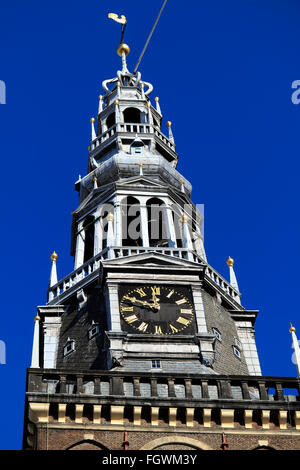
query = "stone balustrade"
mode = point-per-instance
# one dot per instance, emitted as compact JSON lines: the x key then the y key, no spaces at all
{"x":131,"y":128}
{"x":92,"y":266}
{"x":201,"y":390}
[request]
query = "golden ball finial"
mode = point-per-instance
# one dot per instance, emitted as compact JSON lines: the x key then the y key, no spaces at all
{"x":140,"y":165}
{"x":110,"y":217}
{"x":37,"y":318}
{"x":292,"y":329}
{"x":116,"y":101}
{"x":123,"y":48}
{"x":100,"y":97}
{"x":156,"y":99}
{"x":92,"y":120}
{"x":230,"y":262}
{"x":169,"y":124}
{"x":54,"y":256}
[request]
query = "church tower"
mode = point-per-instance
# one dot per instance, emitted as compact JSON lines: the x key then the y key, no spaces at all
{"x":144,"y":339}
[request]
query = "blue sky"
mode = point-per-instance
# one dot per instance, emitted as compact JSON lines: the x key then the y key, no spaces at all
{"x":223,"y":72}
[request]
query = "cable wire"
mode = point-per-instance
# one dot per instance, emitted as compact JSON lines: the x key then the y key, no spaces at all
{"x":149,"y":37}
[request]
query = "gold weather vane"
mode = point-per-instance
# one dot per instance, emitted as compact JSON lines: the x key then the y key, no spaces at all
{"x":122,"y":21}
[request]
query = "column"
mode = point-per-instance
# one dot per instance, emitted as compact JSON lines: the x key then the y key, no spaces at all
{"x":118,"y":223}
{"x":144,"y":221}
{"x":110,"y":234}
{"x":35,"y":361}
{"x":97,"y":234}
{"x":79,"y":254}
{"x":170,"y":228}
{"x":53,"y":274}
{"x":186,"y":238}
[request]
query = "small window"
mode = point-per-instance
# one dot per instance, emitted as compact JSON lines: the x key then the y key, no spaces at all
{"x":217,"y":334}
{"x":156,"y":364}
{"x":69,"y":347}
{"x":136,"y":150}
{"x":93,"y":331}
{"x":238,"y":343}
{"x":236,"y":351}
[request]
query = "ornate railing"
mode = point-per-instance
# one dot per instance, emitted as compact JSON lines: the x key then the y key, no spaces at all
{"x":131,"y":128}
{"x":93,"y":265}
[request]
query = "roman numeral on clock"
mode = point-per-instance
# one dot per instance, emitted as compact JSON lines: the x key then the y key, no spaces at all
{"x":186,"y":311}
{"x":183,"y":321}
{"x":143,"y":326}
{"x":141,"y":292}
{"x":174,"y":330}
{"x":131,"y":318}
{"x":158,"y":330}
{"x":155,"y":290}
{"x":127,"y":309}
{"x":181,"y":301}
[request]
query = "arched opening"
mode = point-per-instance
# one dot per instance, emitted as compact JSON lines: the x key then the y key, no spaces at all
{"x":131,"y":222}
{"x":88,"y":227}
{"x":111,"y":120}
{"x":132,"y":115}
{"x":87,"y":444}
{"x":156,"y":222}
{"x":185,"y":441}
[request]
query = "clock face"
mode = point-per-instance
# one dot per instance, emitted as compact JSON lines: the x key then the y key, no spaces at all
{"x":158,"y":310}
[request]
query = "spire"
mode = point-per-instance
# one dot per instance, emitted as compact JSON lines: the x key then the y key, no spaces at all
{"x":93,"y":133}
{"x":141,"y":168}
{"x":100,"y":108}
{"x":148,"y":106}
{"x":117,"y":111}
{"x":95,"y":182}
{"x":182,"y":185}
{"x":233,"y":280}
{"x":35,"y":358}
{"x":171,"y":137}
{"x":296,"y":348}
{"x":53,"y":274}
{"x":157,"y":105}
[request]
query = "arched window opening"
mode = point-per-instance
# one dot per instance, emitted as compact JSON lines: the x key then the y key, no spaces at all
{"x":132,"y":115}
{"x":131,"y":222}
{"x":111,"y":120}
{"x":88,"y":227}
{"x":157,"y":223}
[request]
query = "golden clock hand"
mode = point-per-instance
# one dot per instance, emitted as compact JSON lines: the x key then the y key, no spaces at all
{"x":134,"y":299}
{"x":155,"y":301}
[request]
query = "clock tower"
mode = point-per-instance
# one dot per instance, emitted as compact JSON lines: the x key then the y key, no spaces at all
{"x":143,"y":334}
{"x":139,"y":259}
